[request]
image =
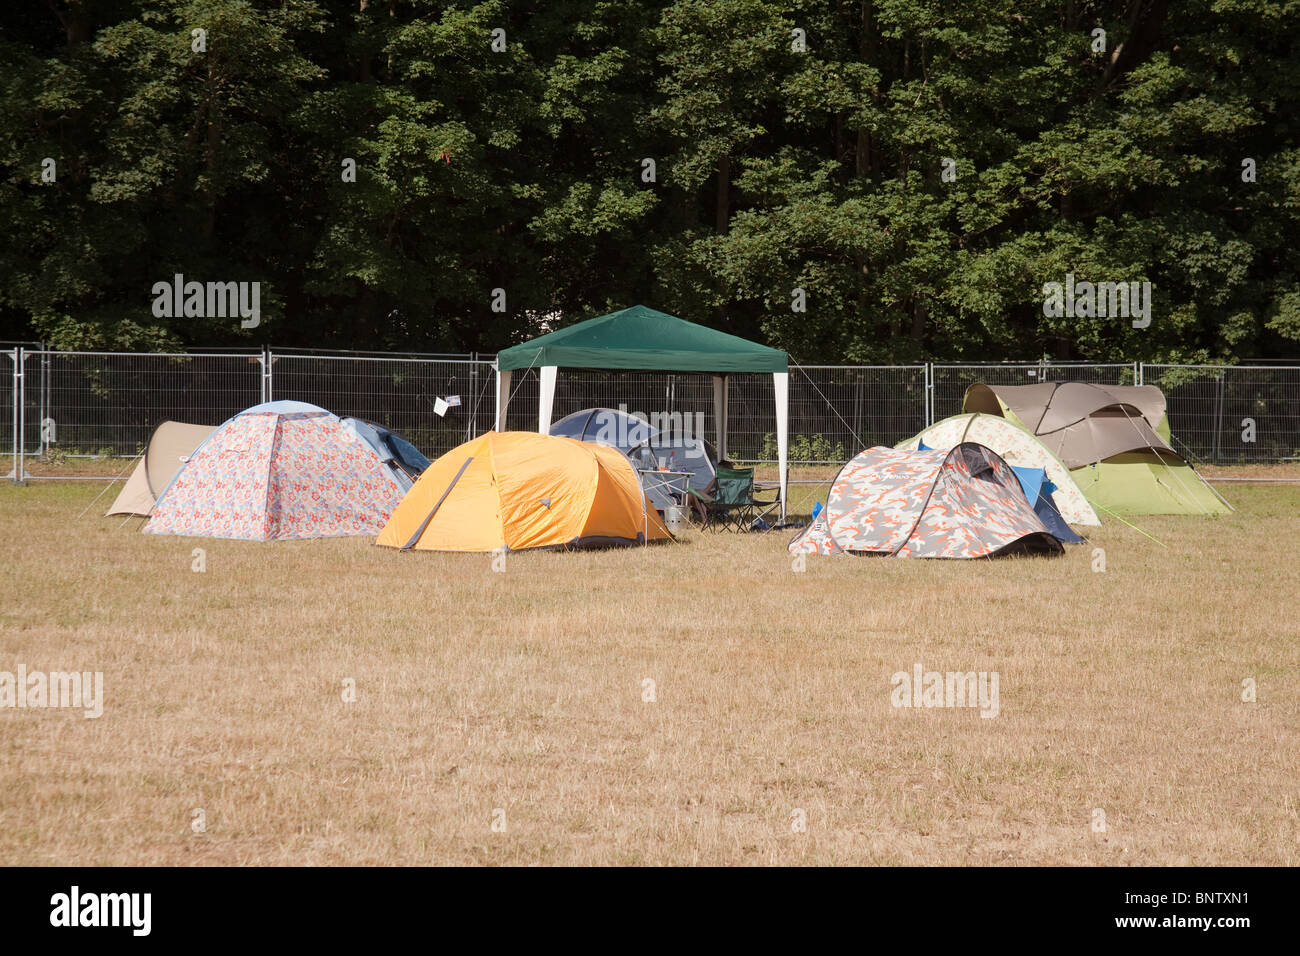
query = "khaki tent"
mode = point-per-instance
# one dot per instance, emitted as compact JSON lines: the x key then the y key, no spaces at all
{"x":169,"y":448}
{"x":1115,"y":440}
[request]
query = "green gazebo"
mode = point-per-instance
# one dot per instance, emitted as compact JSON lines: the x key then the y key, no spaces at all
{"x":642,"y":339}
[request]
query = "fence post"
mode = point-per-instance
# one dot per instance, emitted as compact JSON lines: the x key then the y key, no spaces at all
{"x":857,"y":404}
{"x":1139,"y":373}
{"x":1218,"y":419}
{"x":13,"y":443}
{"x":267,"y":360}
{"x":471,"y":429}
{"x":927,"y":406}
{"x":20,"y":418}
{"x":41,"y":392}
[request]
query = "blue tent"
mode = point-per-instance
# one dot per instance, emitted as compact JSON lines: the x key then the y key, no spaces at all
{"x":402,"y":459}
{"x":1038,"y":489}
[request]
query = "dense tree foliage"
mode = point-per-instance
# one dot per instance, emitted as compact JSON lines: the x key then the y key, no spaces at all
{"x":920,"y":170}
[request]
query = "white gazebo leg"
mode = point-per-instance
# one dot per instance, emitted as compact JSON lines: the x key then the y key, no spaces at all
{"x":546,"y":399}
{"x":781,"y":391}
{"x":503,"y":398}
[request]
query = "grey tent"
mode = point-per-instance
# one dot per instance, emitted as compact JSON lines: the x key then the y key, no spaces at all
{"x":646,"y":445}
{"x":1080,"y":422}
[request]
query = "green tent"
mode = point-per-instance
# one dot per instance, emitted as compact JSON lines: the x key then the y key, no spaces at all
{"x":644,"y":339}
{"x":1115,"y":439}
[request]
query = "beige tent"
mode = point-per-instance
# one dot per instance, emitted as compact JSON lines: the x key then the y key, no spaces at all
{"x":1115,"y":440}
{"x":1080,"y":422}
{"x":1017,"y":447}
{"x":170,"y":446}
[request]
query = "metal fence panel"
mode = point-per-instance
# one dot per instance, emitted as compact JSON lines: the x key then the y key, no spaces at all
{"x":100,"y":404}
{"x":837,"y":411}
{"x":949,"y":382}
{"x":641,"y":393}
{"x":1233,"y":413}
{"x":834,"y":411}
{"x":9,"y":411}
{"x":107,"y":404}
{"x":398,"y":393}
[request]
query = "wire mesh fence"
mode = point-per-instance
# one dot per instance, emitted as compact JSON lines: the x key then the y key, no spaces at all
{"x":399,"y":393}
{"x":645,"y":394}
{"x":106,"y":404}
{"x":835,"y":411}
{"x":9,"y":403}
{"x":1231,"y":414}
{"x":950,"y":382}
{"x":100,"y":405}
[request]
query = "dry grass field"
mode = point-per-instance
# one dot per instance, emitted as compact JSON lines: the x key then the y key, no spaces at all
{"x":525,"y":691}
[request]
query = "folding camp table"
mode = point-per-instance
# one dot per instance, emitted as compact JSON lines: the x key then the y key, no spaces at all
{"x":675,"y":484}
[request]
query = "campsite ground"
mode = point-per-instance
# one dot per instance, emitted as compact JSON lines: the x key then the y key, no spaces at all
{"x":526,"y":691}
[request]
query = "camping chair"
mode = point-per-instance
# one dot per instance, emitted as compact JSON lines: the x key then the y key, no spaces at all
{"x":729,"y":500}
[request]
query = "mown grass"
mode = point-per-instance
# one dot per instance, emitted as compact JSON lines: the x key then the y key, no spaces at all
{"x":524,"y":691}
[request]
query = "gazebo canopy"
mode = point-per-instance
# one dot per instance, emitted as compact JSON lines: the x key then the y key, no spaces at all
{"x":644,"y":339}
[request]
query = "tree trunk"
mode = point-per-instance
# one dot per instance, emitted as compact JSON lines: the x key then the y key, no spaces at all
{"x":1145,"y":19}
{"x":363,"y":71}
{"x":865,"y":159}
{"x":75,"y":27}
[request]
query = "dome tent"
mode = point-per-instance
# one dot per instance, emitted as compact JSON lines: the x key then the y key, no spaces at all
{"x":520,"y":490}
{"x":963,"y":502}
{"x":403,"y":460}
{"x":279,"y":470}
{"x":169,"y":448}
{"x":1115,"y":439}
{"x":1018,"y":448}
{"x":633,"y":435}
{"x":1038,"y":490}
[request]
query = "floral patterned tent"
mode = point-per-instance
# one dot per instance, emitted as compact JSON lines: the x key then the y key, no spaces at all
{"x":279,"y":470}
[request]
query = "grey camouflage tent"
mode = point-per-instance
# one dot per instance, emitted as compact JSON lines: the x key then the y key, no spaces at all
{"x":963,"y":502}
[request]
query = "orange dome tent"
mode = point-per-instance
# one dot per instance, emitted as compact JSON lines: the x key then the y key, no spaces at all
{"x":518,"y":490}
